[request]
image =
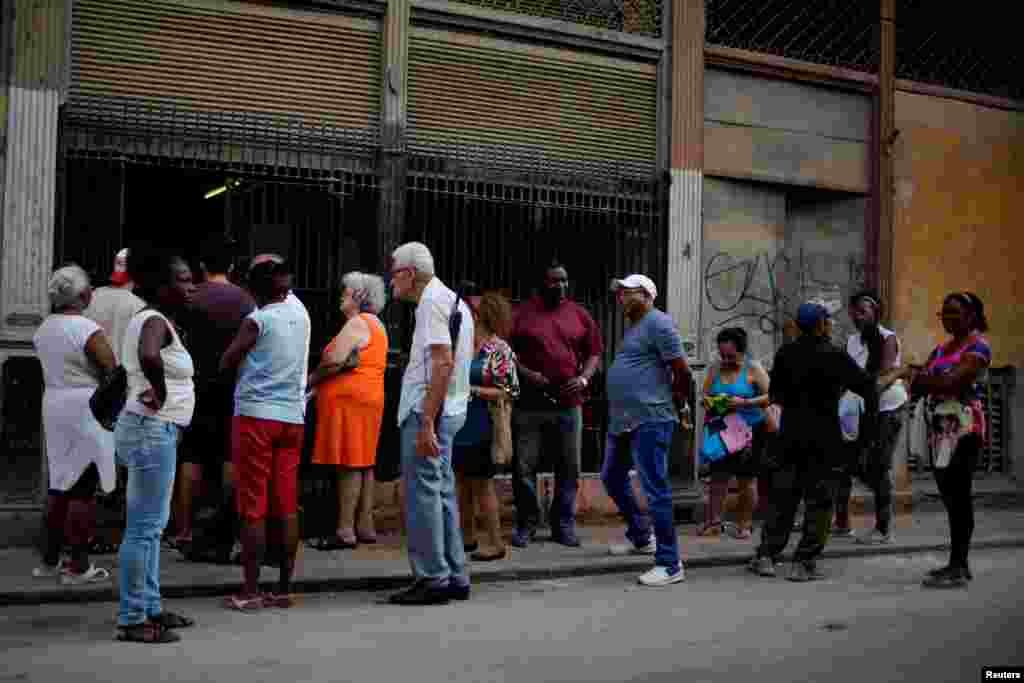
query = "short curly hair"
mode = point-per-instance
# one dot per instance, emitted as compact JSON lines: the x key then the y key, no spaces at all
{"x":494,"y":311}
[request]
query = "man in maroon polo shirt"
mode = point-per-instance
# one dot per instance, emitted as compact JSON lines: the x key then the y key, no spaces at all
{"x":558,"y":346}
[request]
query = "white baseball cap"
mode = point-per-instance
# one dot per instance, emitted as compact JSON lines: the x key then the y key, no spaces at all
{"x":636,"y":281}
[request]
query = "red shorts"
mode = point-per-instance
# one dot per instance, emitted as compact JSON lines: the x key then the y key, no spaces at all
{"x":266,"y":455}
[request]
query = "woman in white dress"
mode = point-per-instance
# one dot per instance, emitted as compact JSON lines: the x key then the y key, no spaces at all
{"x":75,"y":355}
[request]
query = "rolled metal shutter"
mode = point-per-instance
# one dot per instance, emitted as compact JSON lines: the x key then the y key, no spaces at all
{"x":531,"y":105}
{"x":226,"y":57}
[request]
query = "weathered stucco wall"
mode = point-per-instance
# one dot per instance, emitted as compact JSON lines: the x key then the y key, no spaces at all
{"x":959,"y":183}
{"x":785,"y":132}
{"x":767,"y":248}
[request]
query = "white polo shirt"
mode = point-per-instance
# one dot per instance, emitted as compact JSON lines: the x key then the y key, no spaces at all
{"x":432,"y":313}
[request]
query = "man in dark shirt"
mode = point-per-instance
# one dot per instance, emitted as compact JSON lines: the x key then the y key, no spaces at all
{"x":215,"y":315}
{"x":558,"y":346}
{"x":808,"y":377}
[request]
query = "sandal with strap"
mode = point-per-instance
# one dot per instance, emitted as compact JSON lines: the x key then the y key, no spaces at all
{"x":93,"y":574}
{"x":240,"y":604}
{"x":277,"y":600}
{"x":100,"y":547}
{"x":171,"y":621}
{"x":147,"y":632}
{"x":328,"y":543}
{"x":710,"y":529}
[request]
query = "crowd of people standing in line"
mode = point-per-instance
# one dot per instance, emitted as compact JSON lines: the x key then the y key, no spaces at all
{"x":218,"y":377}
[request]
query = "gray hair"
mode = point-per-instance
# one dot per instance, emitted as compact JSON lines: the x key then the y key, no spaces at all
{"x":67,"y":285}
{"x":372,"y":285}
{"x":414,"y":255}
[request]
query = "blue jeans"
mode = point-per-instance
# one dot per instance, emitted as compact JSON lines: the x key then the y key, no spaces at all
{"x":646,"y":448}
{"x":148,"y":447}
{"x":436,"y":552}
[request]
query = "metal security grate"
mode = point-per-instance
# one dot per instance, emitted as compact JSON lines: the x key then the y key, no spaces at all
{"x":949,"y":46}
{"x":641,"y":17}
{"x":833,"y":32}
{"x":500,"y":222}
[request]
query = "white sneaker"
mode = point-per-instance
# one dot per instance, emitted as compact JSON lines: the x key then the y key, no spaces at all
{"x":663,"y":576}
{"x":620,"y":549}
{"x":45,"y":571}
{"x":875,"y":537}
{"x":93,"y":574}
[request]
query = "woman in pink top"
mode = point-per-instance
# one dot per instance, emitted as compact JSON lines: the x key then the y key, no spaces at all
{"x":956,"y":422}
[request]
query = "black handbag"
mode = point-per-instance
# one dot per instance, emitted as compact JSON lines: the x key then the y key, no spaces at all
{"x":109,"y":398}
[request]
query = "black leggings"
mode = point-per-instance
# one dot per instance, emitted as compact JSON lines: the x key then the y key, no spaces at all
{"x":955,"y":482}
{"x":70,"y":519}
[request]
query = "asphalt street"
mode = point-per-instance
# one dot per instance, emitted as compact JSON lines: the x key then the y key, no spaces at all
{"x":869,"y":620}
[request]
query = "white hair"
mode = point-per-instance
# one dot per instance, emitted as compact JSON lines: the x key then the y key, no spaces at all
{"x":66,"y":286}
{"x":372,"y":285}
{"x":414,"y":255}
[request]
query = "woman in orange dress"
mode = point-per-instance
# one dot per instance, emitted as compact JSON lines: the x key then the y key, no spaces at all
{"x":350,"y":406}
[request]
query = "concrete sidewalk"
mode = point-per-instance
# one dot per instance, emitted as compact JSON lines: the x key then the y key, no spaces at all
{"x":384,"y":566}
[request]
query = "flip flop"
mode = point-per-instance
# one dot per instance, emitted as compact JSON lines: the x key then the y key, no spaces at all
{"x":327,"y":543}
{"x":93,"y":574}
{"x":240,"y":604}
{"x":493,"y":557}
{"x":280,"y":601}
{"x":98,"y":547}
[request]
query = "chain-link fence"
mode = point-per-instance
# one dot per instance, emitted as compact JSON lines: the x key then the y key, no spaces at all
{"x":950,"y":46}
{"x":833,"y":32}
{"x":641,"y":17}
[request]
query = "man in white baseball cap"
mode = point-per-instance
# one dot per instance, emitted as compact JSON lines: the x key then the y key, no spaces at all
{"x":647,"y":387}
{"x":113,"y":306}
{"x":637,"y":281}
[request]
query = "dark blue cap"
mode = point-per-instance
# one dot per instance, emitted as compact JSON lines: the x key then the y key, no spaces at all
{"x":808,"y":315}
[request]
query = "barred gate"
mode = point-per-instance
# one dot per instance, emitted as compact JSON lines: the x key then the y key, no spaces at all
{"x":500,"y":226}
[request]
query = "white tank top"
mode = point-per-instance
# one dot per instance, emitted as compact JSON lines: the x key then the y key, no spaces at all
{"x":178,"y":372}
{"x":896,"y":395}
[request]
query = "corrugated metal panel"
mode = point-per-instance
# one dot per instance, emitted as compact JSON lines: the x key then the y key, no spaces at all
{"x":28,"y":209}
{"x":538,"y":102}
{"x":225,"y":56}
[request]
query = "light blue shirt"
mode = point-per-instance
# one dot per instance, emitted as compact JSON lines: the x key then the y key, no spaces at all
{"x":639,"y":383}
{"x":272,"y":379}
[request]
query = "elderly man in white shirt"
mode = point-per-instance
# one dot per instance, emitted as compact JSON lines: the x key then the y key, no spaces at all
{"x":432,"y":409}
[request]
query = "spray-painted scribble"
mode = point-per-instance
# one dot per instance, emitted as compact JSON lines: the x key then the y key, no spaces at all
{"x":760,"y":292}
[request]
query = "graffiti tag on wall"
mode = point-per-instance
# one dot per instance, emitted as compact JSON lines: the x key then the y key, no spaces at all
{"x":760,"y":292}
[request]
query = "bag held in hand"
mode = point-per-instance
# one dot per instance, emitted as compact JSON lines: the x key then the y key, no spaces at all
{"x":501,"y":425}
{"x":109,"y":398}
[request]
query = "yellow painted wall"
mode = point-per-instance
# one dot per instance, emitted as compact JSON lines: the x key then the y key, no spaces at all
{"x":959,"y":221}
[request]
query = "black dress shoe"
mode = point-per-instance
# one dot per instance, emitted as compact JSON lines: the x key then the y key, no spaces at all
{"x":422,"y":593}
{"x":457,"y":592}
{"x":569,"y":539}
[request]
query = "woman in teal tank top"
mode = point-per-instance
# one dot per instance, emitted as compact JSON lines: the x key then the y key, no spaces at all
{"x":745,"y":382}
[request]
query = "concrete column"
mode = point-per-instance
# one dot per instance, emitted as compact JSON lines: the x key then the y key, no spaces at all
{"x":394,"y":106}
{"x":885,"y":117}
{"x":37,"y":82}
{"x":687,"y":170}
